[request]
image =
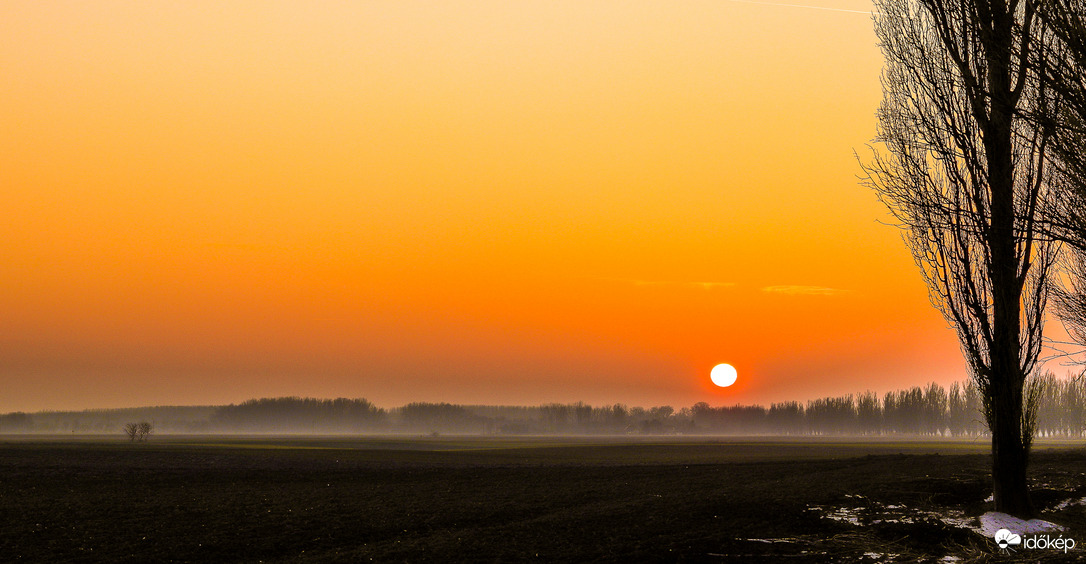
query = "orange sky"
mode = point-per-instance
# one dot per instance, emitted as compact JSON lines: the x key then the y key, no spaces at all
{"x":476,"y":202}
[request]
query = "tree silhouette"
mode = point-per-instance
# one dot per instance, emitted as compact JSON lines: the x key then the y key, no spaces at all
{"x":964,"y":410}
{"x":293,"y":414}
{"x":786,"y":418}
{"x":934,"y":416}
{"x":868,"y":413}
{"x":964,"y":173}
{"x":138,"y":432}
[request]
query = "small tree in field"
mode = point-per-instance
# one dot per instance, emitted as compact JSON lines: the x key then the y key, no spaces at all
{"x":138,"y":432}
{"x":145,"y":429}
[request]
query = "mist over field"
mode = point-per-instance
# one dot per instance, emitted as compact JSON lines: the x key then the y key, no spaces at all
{"x":931,"y":411}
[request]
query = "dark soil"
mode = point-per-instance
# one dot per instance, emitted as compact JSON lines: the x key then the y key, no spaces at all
{"x":187,"y":502}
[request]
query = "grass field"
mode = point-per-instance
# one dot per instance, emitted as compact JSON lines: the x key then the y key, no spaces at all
{"x":329,"y":499}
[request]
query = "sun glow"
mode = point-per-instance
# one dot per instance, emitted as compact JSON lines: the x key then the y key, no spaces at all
{"x":723,"y":375}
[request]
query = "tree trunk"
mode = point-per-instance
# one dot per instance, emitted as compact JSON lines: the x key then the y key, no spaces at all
{"x":1010,"y":457}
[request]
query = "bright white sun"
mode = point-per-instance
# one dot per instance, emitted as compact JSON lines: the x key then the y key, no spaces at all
{"x":723,"y":375}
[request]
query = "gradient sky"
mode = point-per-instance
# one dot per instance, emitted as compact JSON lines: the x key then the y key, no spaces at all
{"x":504,"y":201}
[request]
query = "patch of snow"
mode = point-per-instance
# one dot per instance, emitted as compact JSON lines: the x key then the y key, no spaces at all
{"x":993,"y":521}
{"x":844,"y":514}
{"x":877,"y":513}
{"x":949,"y":558}
{"x":1050,"y":485}
{"x":772,"y":541}
{"x":1066,"y":504}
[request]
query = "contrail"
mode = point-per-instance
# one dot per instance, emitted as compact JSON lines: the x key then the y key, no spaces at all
{"x":802,"y":6}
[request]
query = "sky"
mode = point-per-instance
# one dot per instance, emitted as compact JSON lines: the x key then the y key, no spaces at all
{"x":484,"y":202}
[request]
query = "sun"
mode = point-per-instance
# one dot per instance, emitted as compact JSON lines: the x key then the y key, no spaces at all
{"x":723,"y":375}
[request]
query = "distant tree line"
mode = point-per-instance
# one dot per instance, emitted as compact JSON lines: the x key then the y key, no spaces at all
{"x":931,"y":410}
{"x":167,"y":419}
{"x":299,"y":415}
{"x":16,"y":422}
{"x":928,"y":411}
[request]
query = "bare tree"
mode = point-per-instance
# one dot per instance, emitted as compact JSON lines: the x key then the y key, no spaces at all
{"x":145,"y":429}
{"x":132,"y":430}
{"x":138,"y":432}
{"x":964,"y":173}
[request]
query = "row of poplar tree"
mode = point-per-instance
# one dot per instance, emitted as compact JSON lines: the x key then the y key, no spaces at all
{"x":932,"y":410}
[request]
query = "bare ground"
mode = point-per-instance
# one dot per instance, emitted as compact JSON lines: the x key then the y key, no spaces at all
{"x":477,"y":499}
